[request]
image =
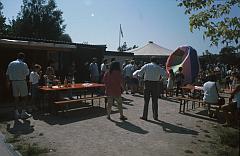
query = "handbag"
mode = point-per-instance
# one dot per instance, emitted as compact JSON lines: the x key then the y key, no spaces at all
{"x":221,"y":100}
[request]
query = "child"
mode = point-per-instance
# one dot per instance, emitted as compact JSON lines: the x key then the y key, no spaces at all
{"x":34,"y":81}
{"x":170,"y":83}
{"x":113,"y":83}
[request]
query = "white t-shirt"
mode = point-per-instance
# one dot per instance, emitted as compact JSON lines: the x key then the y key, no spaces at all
{"x":34,"y":77}
{"x":151,"y":72}
{"x":210,"y":92}
{"x":128,"y":70}
{"x":103,"y":67}
{"x":17,"y":70}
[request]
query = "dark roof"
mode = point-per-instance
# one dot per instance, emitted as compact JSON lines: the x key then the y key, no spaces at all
{"x":45,"y":41}
{"x":117,"y":53}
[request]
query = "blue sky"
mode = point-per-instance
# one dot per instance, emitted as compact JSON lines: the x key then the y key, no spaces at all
{"x":97,"y":22}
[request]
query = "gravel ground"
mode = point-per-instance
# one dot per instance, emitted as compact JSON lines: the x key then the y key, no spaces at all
{"x":87,"y":132}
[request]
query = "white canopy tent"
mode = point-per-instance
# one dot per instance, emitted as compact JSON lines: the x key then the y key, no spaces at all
{"x":151,"y":49}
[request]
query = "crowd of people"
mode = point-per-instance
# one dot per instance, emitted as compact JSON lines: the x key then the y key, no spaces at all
{"x":129,"y":78}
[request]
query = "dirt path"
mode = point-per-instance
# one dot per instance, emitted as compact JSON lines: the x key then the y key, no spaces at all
{"x":87,"y":132}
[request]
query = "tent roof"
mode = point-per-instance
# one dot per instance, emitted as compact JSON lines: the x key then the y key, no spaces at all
{"x":151,"y":49}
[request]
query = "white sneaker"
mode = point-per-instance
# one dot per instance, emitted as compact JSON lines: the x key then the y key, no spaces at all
{"x":25,"y":115}
{"x":16,"y":115}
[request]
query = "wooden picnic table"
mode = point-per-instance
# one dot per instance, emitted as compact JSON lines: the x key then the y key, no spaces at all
{"x":78,"y":86}
{"x":50,"y":94}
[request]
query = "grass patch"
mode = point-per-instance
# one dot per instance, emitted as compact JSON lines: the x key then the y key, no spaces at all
{"x":13,"y":139}
{"x":229,"y":139}
{"x":229,"y":136}
{"x":31,"y":149}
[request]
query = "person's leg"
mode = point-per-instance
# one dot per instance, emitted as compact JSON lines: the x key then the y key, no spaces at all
{"x":210,"y":113}
{"x":15,"y":92}
{"x":127,"y":87}
{"x":226,"y":110}
{"x":23,"y":90}
{"x":119,"y":102}
{"x":109,"y":106}
{"x":155,"y":95}
{"x":17,"y":108}
{"x":35,"y":97}
{"x":177,"y":89}
{"x":146,"y":99}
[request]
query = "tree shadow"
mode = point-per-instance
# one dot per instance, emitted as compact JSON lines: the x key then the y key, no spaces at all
{"x":130,"y":127}
{"x":170,"y":128}
{"x":19,"y":127}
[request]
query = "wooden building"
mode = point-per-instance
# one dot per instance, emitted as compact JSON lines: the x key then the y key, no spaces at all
{"x":62,"y":55}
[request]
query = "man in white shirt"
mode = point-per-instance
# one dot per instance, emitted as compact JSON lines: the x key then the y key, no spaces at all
{"x":127,"y":74}
{"x":152,"y":74}
{"x":17,"y":72}
{"x":94,"y":73}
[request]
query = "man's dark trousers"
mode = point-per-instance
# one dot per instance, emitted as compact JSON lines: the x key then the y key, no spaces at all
{"x":151,"y":88}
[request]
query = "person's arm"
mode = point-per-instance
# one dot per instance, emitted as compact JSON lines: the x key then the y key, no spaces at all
{"x":26,"y":70}
{"x":7,"y":76}
{"x":142,"y":71}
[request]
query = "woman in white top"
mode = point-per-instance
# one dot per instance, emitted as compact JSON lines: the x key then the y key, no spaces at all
{"x":210,"y":90}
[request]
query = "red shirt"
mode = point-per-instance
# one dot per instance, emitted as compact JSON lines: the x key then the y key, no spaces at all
{"x":113,"y":83}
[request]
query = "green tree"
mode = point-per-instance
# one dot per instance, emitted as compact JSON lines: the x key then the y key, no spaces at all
{"x":65,"y":37}
{"x":123,"y":47}
{"x":214,"y":16}
{"x":2,"y":20}
{"x":39,"y":19}
{"x":227,"y":55}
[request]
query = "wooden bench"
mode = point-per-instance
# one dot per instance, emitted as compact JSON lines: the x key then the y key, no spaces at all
{"x":64,"y":103}
{"x":184,"y":101}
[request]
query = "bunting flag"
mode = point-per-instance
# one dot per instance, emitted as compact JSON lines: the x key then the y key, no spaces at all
{"x":121,"y":31}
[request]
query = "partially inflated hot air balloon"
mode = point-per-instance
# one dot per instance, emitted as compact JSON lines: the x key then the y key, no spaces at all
{"x":187,"y":58}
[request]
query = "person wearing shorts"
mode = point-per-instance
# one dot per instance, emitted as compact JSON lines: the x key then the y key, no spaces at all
{"x":17,"y":72}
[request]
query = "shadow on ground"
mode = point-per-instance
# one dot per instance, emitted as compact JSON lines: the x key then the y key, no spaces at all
{"x":170,"y":128}
{"x":203,"y":114}
{"x":71,"y":116}
{"x":20,"y":127}
{"x":130,"y":127}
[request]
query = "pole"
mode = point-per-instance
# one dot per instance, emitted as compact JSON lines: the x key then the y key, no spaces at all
{"x":119,"y":40}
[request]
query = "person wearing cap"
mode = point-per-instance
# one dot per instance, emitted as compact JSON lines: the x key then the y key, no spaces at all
{"x":17,"y":72}
{"x":152,"y":75}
